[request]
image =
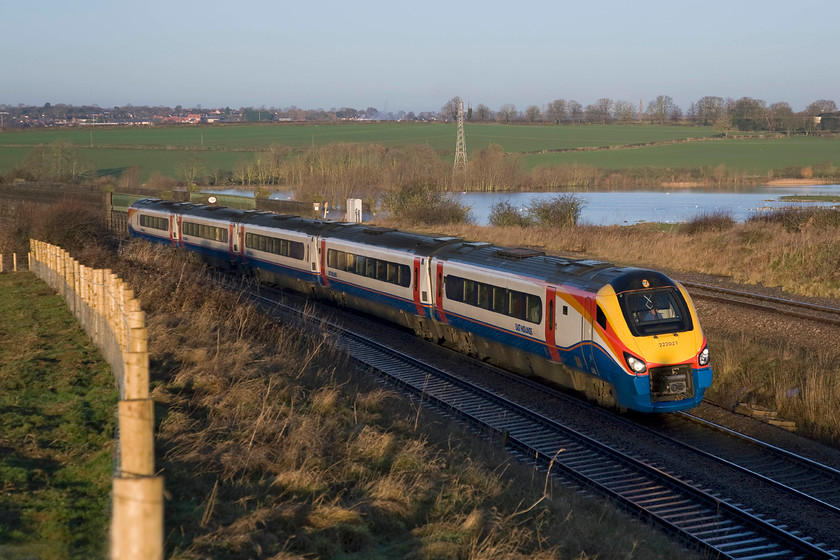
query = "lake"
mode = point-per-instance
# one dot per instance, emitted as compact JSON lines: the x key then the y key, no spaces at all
{"x":631,"y":207}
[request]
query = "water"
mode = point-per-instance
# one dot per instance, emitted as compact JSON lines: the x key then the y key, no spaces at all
{"x":631,"y":207}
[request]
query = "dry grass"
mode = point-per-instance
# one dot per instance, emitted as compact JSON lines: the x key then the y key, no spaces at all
{"x":803,"y":260}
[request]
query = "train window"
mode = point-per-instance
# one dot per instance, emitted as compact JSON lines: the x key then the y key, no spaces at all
{"x":534,"y":305}
{"x":565,"y":310}
{"x":381,"y":270}
{"x":470,"y":289}
{"x":296,"y":250}
{"x":454,"y":288}
{"x":205,"y":232}
{"x":154,"y":222}
{"x":393,"y":273}
{"x":655,"y":312}
{"x":484,"y":300}
{"x":516,"y":304}
{"x":276,"y":246}
{"x":601,"y":317}
{"x":404,"y":275}
{"x":499,"y":299}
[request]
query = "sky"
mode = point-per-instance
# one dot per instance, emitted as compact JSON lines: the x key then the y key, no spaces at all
{"x":396,"y":56}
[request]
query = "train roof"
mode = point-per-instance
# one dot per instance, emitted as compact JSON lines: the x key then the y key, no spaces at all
{"x":586,"y":274}
{"x":390,"y":238}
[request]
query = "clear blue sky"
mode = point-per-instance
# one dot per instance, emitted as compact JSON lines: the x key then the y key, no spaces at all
{"x":415,"y":56}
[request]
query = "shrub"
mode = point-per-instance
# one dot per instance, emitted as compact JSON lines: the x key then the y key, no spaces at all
{"x":794,"y":218}
{"x":560,"y":211}
{"x":719,"y":220}
{"x":424,"y":203}
{"x":504,"y":214}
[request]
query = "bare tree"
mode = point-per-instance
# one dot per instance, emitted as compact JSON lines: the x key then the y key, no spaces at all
{"x":449,"y":111}
{"x":556,"y":111}
{"x":709,"y":109}
{"x":660,"y":108}
{"x":482,"y":112}
{"x":624,"y":111}
{"x":601,"y":110}
{"x":507,"y":112}
{"x":575,"y":111}
{"x":780,"y":116}
{"x":821,"y":106}
{"x":533,"y":114}
{"x":190,"y":168}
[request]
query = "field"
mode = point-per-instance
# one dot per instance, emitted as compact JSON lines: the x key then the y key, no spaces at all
{"x":612,"y":147}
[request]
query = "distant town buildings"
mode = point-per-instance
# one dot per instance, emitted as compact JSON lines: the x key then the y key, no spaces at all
{"x":21,"y":116}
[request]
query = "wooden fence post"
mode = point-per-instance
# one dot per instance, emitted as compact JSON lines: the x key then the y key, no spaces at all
{"x":137,"y":519}
{"x":137,"y":440}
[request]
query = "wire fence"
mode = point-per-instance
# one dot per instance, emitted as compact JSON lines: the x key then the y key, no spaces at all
{"x":108,"y":311}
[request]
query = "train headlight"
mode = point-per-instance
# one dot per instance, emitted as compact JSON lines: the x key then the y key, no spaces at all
{"x":703,"y":356}
{"x":635,"y":364}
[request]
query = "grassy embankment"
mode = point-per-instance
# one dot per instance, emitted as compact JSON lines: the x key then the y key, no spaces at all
{"x":798,"y":253}
{"x":57,"y":406}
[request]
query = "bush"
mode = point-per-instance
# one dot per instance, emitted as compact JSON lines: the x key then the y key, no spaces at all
{"x":560,"y":211}
{"x":794,"y":218}
{"x":424,"y":203}
{"x":720,"y":220}
{"x":504,"y":214}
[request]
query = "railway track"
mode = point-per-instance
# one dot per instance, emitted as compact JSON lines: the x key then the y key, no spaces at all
{"x":799,"y":309}
{"x":576,"y":456}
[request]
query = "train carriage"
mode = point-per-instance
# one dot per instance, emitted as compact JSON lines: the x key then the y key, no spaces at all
{"x":282,"y":249}
{"x":381,"y":271}
{"x":579,"y":323}
{"x":154,"y":220}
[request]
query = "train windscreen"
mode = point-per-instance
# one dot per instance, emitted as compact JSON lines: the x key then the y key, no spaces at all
{"x":656,"y":311}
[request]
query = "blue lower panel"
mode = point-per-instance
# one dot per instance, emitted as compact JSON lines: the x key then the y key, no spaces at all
{"x":283,"y":270}
{"x":500,"y":335}
{"x":376,"y":296}
{"x":634,"y":392}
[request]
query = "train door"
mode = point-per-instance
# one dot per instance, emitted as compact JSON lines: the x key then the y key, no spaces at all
{"x":551,"y":323}
{"x":587,"y":341}
{"x":176,"y":230}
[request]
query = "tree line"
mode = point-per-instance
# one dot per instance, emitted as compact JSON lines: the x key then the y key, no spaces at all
{"x":725,"y":114}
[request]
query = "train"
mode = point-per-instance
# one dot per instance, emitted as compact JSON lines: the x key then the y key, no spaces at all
{"x":627,"y":338}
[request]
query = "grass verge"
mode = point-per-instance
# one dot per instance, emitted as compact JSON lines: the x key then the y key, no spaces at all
{"x":57,"y":412}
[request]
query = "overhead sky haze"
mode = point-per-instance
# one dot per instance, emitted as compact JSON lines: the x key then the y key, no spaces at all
{"x":415,"y":57}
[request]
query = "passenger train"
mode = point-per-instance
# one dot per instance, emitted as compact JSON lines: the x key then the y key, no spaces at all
{"x":627,"y":338}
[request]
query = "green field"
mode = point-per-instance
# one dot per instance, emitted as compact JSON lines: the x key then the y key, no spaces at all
{"x":159,"y":149}
{"x":754,"y":156}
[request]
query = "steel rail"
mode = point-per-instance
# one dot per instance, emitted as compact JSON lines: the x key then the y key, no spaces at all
{"x":773,"y":304}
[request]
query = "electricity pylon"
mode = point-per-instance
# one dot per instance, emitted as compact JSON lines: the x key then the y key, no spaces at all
{"x":460,"y":146}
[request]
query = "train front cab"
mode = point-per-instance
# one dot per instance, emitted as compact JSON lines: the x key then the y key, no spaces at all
{"x":654,"y":335}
